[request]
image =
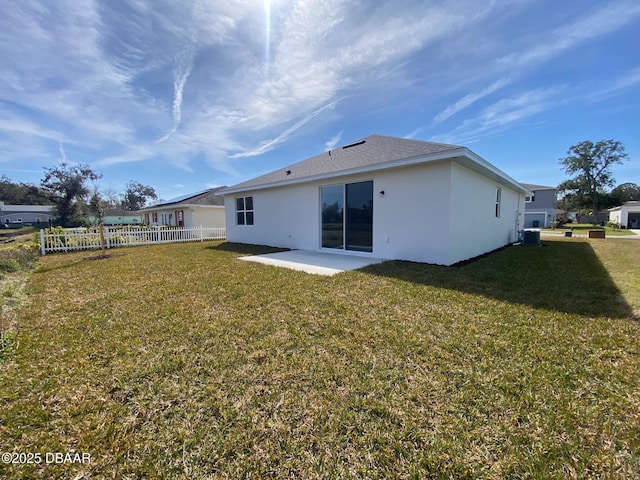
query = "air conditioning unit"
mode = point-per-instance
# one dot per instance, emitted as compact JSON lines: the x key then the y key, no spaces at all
{"x":531,"y":238}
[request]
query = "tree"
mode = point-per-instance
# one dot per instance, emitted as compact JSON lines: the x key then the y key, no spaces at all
{"x":21,"y":193}
{"x":625,"y":192}
{"x":65,"y":186}
{"x":98,"y":205}
{"x":136,"y":196}
{"x":590,"y":164}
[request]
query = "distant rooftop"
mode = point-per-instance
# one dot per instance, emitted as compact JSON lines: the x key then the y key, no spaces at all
{"x":205,"y":197}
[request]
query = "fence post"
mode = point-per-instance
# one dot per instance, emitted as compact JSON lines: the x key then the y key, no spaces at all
{"x":42,"y":249}
{"x":106,"y":233}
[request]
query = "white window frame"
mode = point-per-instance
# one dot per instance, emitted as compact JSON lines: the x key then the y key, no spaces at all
{"x":498,"y":201}
{"x":244,"y":211}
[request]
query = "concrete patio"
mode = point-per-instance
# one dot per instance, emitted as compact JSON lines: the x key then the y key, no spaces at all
{"x":317,"y":263}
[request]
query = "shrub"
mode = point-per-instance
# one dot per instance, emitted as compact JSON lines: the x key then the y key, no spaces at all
{"x":8,"y":265}
{"x":23,"y":257}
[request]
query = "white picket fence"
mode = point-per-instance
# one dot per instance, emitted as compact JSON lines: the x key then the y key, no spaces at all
{"x":86,"y":239}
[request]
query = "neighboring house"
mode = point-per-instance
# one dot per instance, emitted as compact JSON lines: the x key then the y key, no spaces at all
{"x":541,"y":208}
{"x":203,"y":208}
{"x":14,"y":216}
{"x":391,"y":198}
{"x":626,"y":215}
{"x":117,"y":216}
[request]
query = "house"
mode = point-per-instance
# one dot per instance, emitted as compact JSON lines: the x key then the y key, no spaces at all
{"x":386,"y":197}
{"x":15,"y":216}
{"x":118,"y":216}
{"x":540,"y":208}
{"x":203,"y":208}
{"x":626,"y":215}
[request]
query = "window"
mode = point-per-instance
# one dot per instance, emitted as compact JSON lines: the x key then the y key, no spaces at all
{"x":244,"y":210}
{"x":146,"y":218}
{"x":530,"y":199}
{"x":498,"y":198}
{"x":155,"y":217}
{"x":180,"y":218}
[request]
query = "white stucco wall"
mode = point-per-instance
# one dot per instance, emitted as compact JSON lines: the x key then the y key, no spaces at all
{"x":474,"y":227}
{"x":206,"y":216}
{"x":194,"y":216}
{"x":425,"y":215}
{"x":623,"y":214}
{"x":615,"y":216}
{"x":411,"y":221}
{"x":284,"y":217}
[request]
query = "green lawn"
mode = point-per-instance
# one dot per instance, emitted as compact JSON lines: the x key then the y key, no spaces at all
{"x":179,"y":361}
{"x":585,"y":227}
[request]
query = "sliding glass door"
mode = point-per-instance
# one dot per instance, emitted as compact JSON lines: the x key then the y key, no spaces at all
{"x":359,"y":216}
{"x":347,"y":216}
{"x":332,"y":204}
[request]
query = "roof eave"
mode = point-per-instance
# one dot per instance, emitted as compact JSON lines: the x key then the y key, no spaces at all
{"x":497,"y":172}
{"x":165,"y":206}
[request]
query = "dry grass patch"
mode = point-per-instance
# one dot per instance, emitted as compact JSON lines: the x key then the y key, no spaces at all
{"x":178,"y":361}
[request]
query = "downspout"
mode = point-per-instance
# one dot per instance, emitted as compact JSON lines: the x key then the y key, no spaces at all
{"x":518,"y":214}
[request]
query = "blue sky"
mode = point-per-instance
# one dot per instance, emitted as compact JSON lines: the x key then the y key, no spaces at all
{"x":184,"y":95}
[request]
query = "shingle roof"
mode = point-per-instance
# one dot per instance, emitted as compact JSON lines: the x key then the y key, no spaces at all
{"x":375,"y":152}
{"x":372,"y":150}
{"x":206,"y":197}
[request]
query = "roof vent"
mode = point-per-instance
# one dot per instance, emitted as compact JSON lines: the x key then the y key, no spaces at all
{"x":354,"y":144}
{"x":288,"y":172}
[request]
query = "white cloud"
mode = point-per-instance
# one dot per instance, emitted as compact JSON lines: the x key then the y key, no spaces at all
{"x":505,"y":113}
{"x":63,"y":154}
{"x":271,"y":144}
{"x":182,"y":71}
{"x":333,"y":141}
{"x":174,"y":80}
{"x":101,"y":75}
{"x":605,"y":18}
{"x":616,"y":86}
{"x":469,"y":100}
